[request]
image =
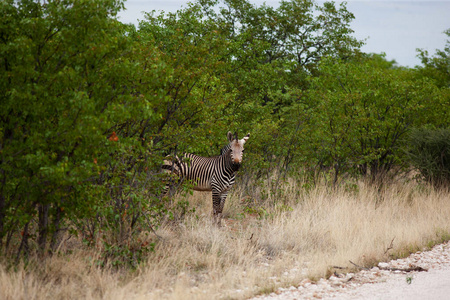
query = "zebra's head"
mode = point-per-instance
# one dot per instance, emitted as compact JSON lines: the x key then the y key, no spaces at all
{"x":236,"y":147}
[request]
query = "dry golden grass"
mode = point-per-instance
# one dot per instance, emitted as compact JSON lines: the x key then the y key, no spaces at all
{"x":302,"y":234}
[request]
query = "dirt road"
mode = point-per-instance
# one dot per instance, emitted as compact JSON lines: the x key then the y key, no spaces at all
{"x":384,"y":282}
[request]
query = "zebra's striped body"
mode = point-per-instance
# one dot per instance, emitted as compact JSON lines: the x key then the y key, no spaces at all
{"x":216,"y":174}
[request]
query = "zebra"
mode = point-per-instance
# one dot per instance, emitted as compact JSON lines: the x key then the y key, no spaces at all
{"x":216,"y":174}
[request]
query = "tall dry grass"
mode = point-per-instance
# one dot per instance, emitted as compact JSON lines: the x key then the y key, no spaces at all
{"x":270,"y":240}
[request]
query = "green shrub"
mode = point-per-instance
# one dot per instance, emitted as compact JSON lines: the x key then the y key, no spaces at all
{"x":429,"y":152}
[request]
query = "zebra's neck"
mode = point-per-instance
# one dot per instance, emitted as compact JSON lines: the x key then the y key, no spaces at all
{"x":225,"y":149}
{"x":235,"y":167}
{"x":229,"y":164}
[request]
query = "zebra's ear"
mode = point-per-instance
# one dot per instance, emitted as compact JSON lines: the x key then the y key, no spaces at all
{"x":247,"y":137}
{"x":229,"y":136}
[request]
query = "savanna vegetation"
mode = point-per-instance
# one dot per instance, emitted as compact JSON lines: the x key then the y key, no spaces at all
{"x":349,"y":151}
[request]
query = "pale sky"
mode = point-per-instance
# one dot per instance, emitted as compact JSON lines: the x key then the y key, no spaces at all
{"x":396,"y":28}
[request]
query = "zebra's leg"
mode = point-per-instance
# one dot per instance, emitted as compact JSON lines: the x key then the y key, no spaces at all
{"x":218,"y":204}
{"x":217,"y":207}
{"x":223,"y":197}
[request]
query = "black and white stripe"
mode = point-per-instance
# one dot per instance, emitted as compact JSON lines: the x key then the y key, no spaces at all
{"x":216,"y":174}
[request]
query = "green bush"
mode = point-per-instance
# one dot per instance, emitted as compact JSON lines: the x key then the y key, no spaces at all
{"x":76,"y":151}
{"x":429,"y":152}
{"x":361,"y":111}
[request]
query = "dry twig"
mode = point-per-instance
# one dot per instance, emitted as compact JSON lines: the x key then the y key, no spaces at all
{"x":390,"y":246}
{"x":359,"y":267}
{"x":411,"y":269}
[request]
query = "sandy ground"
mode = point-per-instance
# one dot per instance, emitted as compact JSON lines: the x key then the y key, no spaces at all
{"x":385,"y":282}
{"x":434,"y":284}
